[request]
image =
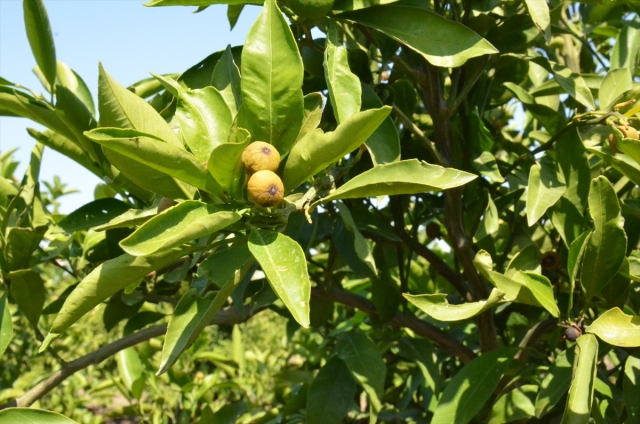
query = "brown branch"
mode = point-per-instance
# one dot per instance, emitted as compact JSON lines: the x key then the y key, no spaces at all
{"x":434,"y":260}
{"x":401,"y":320}
{"x":227,"y":316}
{"x":433,"y":96}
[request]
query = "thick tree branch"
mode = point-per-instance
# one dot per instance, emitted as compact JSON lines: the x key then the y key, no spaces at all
{"x":433,"y":95}
{"x":227,"y":316}
{"x":401,"y":320}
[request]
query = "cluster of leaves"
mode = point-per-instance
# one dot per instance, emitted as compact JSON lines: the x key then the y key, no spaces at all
{"x":410,"y":273}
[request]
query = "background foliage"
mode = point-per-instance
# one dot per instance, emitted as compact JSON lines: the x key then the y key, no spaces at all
{"x":432,"y":261}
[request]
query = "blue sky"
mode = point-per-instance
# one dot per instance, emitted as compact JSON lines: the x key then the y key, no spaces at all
{"x":130,"y":40}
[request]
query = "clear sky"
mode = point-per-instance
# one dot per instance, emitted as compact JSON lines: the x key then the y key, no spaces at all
{"x":130,"y":40}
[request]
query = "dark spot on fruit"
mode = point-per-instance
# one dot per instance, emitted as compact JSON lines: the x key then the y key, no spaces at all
{"x":273,"y":190}
{"x":550,"y":261}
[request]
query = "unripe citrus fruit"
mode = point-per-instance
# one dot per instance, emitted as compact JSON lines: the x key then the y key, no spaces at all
{"x":265,"y":189}
{"x":260,"y":156}
{"x":627,"y":131}
{"x":310,"y":9}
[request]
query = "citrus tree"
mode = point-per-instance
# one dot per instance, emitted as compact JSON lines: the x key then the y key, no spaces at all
{"x":339,"y":221}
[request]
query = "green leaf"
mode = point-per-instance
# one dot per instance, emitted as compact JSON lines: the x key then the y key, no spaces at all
{"x":360,"y":244}
{"x":344,"y":85}
{"x":225,"y":164}
{"x":67,"y":77}
{"x":556,"y":383}
{"x":567,"y":220}
{"x":384,"y":143}
{"x":284,"y":264}
{"x":539,"y":11}
{"x":17,"y":103}
{"x":121,"y":108}
{"x":203,"y":115}
{"x":620,"y":162}
{"x":175,"y":226}
{"x":198,"y":3}
{"x":131,"y":371}
{"x":233,"y":14}
{"x":613,"y":85}
{"x":525,"y":287}
{"x":77,"y":117}
{"x":625,"y":52}
{"x":130,"y":218}
{"x":437,"y":306}
{"x":422,"y":353}
{"x":487,"y":166}
{"x":157,"y":154}
{"x":548,"y":117}
{"x":6,"y":324}
{"x":20,"y":245}
{"x":313,"y":103}
{"x":104,"y":281}
{"x":469,"y":390}
{"x":572,"y":83}
{"x":631,"y":388}
{"x":617,"y":328}
{"x":574,"y":166}
{"x":514,"y":405}
{"x":367,"y":367}
{"x":27,"y":289}
{"x":36,"y":21}
{"x":67,"y":147}
{"x":606,"y":249}
{"x":330,"y":394}
{"x":32,"y":415}
{"x":629,"y":146}
{"x":442,"y":42}
{"x":192,"y":314}
{"x":93,"y":214}
{"x":578,"y":409}
{"x":226,"y":79}
{"x":272,"y":74}
{"x":528,"y":259}
{"x":222,"y":264}
{"x":544,"y":189}
{"x":490,"y":221}
{"x":317,"y":150}
{"x":404,"y":177}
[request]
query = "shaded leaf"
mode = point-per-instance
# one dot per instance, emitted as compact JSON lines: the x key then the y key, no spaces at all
{"x":631,"y":388}
{"x":93,"y":214}
{"x":32,"y":415}
{"x":284,"y":264}
{"x":330,"y":394}
{"x":131,"y":371}
{"x":442,"y":42}
{"x":556,"y":383}
{"x":103,"y":282}
{"x":27,"y":289}
{"x":539,"y":11}
{"x":367,"y":367}
{"x":384,"y":143}
{"x":6,"y":324}
{"x":472,"y":386}
{"x":616,"y":82}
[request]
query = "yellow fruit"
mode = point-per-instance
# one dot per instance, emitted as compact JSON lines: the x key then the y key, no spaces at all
{"x":310,"y":9}
{"x":260,"y":156}
{"x":265,"y":189}
{"x":627,"y":131}
{"x":166,"y":204}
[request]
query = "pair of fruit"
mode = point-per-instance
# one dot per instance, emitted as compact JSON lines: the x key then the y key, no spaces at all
{"x":260,"y":161}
